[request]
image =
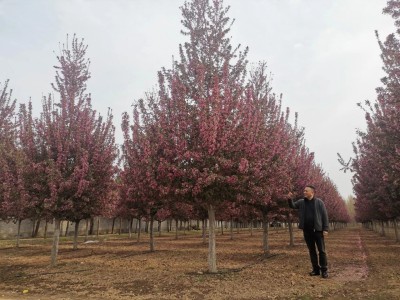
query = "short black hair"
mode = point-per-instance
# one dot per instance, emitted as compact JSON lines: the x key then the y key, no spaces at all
{"x":311,"y":187}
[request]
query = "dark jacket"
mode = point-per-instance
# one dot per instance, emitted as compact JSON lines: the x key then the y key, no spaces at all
{"x":321,"y":222}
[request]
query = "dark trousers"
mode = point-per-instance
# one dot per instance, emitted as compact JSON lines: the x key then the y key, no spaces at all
{"x":314,"y":240}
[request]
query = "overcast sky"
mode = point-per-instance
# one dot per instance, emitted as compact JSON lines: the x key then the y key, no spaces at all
{"x":323,"y":55}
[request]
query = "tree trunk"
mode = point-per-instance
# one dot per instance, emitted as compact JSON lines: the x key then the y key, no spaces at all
{"x":139,"y":230}
{"x":251,"y":228}
{"x":136,"y":226}
{"x":204,"y":225}
{"x":382,"y":228}
{"x":120,"y":226}
{"x":151,"y":233}
{"x":231,"y":228}
{"x":61,"y":227}
{"x":222,"y":227}
{"x":98,"y":227}
{"x":176,"y":229}
{"x":45,"y":230}
{"x":56,"y":239}
{"x":76,"y":235}
{"x":18,"y":232}
{"x":66,"y":229}
{"x":87,"y":230}
{"x":113,"y":224}
{"x":159,"y":228}
{"x":130,"y":227}
{"x":265,"y":233}
{"x":35,"y":234}
{"x":212,"y":253}
{"x":33,"y":227}
{"x":291,"y":237}
{"x":91,"y":226}
{"x":396,"y":230}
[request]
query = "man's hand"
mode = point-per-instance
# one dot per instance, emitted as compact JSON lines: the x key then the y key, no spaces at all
{"x":325,"y":233}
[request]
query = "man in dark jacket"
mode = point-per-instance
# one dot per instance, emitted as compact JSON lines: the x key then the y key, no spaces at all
{"x":313,"y":219}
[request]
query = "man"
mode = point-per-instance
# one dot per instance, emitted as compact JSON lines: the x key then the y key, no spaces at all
{"x":313,"y":219}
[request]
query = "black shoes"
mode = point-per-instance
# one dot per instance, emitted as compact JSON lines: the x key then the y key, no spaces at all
{"x":324,"y":274}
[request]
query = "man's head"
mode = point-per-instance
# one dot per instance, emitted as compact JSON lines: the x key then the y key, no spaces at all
{"x":309,"y":192}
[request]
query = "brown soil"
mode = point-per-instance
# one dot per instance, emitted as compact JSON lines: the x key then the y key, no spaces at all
{"x":362,"y":265}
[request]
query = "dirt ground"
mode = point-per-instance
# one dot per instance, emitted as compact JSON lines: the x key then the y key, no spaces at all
{"x":362,"y":265}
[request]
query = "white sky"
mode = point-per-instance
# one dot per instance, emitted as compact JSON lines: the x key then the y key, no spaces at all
{"x":323,"y":55}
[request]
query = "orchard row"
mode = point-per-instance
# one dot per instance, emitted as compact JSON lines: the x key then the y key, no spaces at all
{"x":376,"y":164}
{"x":213,"y":142}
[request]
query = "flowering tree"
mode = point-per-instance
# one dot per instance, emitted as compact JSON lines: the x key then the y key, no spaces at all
{"x":207,"y":138}
{"x":7,"y":112}
{"x":267,"y":148}
{"x":376,"y":164}
{"x":14,"y":201}
{"x":300,"y":161}
{"x":78,"y":144}
{"x":203,"y":94}
{"x":147,"y":173}
{"x":14,"y":198}
{"x":7,"y":142}
{"x":204,"y":143}
{"x":35,"y":177}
